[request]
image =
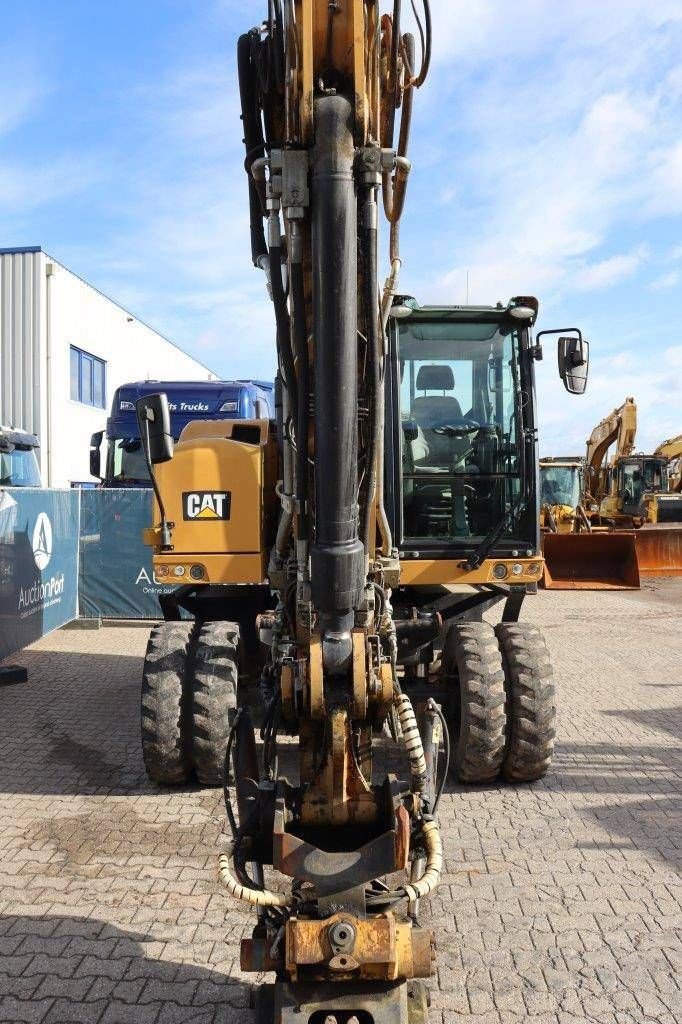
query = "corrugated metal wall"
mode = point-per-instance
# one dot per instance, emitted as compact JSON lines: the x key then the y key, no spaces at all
{"x":21,"y":283}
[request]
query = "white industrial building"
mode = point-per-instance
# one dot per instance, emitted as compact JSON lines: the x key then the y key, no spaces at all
{"x":64,"y":349}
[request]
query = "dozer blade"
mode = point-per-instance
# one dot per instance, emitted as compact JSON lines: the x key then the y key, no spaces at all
{"x":659,"y":550}
{"x":590,"y":561}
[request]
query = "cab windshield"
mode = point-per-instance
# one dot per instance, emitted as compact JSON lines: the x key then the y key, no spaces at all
{"x":19,"y":468}
{"x":643,"y":477}
{"x":127,"y":461}
{"x":559,"y":485}
{"x":461,"y":472}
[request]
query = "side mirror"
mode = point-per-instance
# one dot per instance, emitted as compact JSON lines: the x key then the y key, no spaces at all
{"x":574,"y":361}
{"x":95,"y":457}
{"x":574,"y":358}
{"x":153,"y":417}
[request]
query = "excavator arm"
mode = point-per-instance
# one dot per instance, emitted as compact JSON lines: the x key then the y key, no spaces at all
{"x":620,"y":427}
{"x":326,"y":92}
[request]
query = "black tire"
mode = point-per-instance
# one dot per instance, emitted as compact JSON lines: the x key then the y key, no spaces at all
{"x":215,"y":675}
{"x":477,"y":719}
{"x":163,"y":712}
{"x":531,"y":705}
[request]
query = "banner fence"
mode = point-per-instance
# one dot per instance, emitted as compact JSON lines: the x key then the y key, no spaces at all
{"x":69,"y":554}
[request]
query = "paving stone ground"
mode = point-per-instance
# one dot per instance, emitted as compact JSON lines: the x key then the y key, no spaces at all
{"x":560,"y":902}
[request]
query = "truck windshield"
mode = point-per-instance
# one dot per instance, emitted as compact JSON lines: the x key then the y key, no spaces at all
{"x":19,"y":468}
{"x":560,"y":485}
{"x":127,"y":461}
{"x":460,"y":451}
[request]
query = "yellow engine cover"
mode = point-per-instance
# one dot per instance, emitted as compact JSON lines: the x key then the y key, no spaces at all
{"x":219,"y":492}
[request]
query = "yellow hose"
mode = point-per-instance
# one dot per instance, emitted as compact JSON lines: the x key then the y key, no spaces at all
{"x":412,"y":737}
{"x":266,"y":898}
{"x":434,"y":863}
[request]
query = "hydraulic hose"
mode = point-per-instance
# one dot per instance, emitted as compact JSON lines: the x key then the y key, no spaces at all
{"x":258,"y":897}
{"x":281,"y":313}
{"x":413,"y":740}
{"x":254,"y":143}
{"x":434,"y":863}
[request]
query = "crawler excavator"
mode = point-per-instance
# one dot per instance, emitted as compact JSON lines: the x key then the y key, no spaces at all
{"x":348,"y":550}
{"x":631,"y":491}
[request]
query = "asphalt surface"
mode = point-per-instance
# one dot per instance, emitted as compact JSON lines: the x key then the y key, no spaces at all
{"x":560,"y":901}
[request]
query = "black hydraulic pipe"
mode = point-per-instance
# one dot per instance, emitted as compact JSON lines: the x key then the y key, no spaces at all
{"x":368,"y":236}
{"x":394,"y":93}
{"x":253,"y":141}
{"x":300,"y":345}
{"x":283,"y":327}
{"x":245,"y":767}
{"x":337,"y":554}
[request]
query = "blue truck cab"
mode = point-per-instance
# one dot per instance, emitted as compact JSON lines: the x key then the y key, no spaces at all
{"x":188,"y":400}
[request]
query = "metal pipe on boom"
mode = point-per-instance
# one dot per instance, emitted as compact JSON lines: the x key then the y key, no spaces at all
{"x":337,"y":554}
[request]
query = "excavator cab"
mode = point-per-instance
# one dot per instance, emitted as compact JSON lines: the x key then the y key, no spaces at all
{"x":458,"y":470}
{"x":638,"y":477}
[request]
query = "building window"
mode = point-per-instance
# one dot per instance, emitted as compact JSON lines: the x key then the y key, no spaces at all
{"x":88,"y":378}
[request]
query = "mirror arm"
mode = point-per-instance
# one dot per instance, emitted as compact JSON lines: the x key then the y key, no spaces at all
{"x":166,"y":536}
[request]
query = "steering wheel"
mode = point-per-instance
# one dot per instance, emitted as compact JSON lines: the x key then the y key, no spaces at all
{"x":456,"y":428}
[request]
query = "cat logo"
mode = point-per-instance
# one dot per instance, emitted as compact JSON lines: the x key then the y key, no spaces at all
{"x":206,"y":505}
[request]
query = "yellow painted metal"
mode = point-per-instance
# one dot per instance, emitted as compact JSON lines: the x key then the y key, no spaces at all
{"x":209,"y":459}
{"x":447,"y":571}
{"x":343,"y":48}
{"x":383,"y":949}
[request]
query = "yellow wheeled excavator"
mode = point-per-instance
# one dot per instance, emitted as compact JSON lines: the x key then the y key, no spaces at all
{"x":347,"y":551}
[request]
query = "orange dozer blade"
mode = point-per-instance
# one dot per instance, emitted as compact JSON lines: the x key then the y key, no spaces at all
{"x":590,"y":561}
{"x":659,"y":550}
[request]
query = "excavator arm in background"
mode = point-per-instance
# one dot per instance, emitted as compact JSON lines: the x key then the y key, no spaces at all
{"x":620,"y":427}
{"x":672,"y":451}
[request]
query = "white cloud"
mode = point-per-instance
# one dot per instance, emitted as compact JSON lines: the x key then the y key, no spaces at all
{"x":610,"y":271}
{"x":549,"y":158}
{"x":669,"y":280}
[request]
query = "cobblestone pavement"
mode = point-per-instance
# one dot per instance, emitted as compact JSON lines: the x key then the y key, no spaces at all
{"x":561,"y":901}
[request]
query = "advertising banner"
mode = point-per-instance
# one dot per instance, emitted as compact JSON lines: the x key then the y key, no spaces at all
{"x":116,"y":576}
{"x":38,"y":564}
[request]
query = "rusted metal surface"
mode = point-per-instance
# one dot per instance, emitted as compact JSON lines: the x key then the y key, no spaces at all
{"x":590,"y":561}
{"x":255,"y":955}
{"x":346,"y":947}
{"x":337,"y":792}
{"x":286,"y":685}
{"x":331,"y":869}
{"x":659,"y":550}
{"x":360,"y":675}
{"x":318,"y":707}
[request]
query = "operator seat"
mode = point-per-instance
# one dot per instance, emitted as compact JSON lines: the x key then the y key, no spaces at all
{"x":433,"y":410}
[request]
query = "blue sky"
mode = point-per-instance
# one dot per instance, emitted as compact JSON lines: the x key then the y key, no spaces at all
{"x":547,"y":159}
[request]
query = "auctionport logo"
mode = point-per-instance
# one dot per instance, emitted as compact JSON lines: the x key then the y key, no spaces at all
{"x":42,"y":541}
